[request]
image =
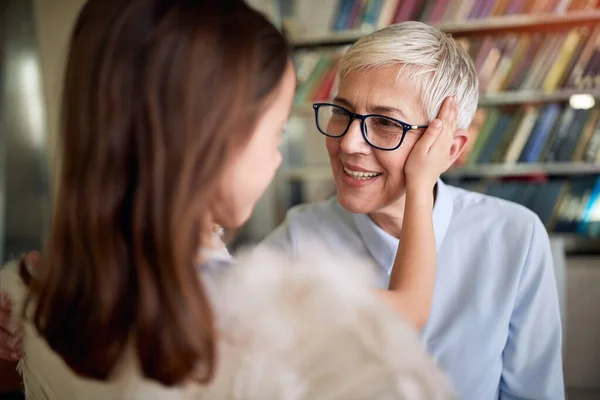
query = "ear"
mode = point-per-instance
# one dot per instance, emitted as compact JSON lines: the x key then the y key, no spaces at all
{"x":459,"y":144}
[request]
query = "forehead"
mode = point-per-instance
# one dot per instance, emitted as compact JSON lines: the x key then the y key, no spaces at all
{"x":379,"y":88}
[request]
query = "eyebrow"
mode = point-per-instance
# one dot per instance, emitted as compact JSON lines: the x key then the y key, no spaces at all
{"x":375,"y":109}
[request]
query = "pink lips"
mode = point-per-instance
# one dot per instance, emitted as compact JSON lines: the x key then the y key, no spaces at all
{"x":354,"y":182}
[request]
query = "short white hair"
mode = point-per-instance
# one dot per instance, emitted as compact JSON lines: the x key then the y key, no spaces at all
{"x":439,"y":66}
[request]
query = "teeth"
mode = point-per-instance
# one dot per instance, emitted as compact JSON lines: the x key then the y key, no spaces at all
{"x":361,"y":175}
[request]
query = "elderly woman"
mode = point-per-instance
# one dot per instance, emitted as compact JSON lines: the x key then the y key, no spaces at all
{"x":494,"y":325}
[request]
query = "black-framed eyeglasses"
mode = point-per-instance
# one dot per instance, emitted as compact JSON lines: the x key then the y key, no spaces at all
{"x":379,"y":131}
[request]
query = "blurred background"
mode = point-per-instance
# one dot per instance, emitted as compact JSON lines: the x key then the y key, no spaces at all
{"x":535,"y":138}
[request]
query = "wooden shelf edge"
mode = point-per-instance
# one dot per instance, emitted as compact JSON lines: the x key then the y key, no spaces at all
{"x":506,"y":170}
{"x":462,"y":28}
{"x":503,"y":98}
{"x":515,"y":22}
{"x":529,"y":96}
{"x":476,"y":171}
{"x":578,"y":245}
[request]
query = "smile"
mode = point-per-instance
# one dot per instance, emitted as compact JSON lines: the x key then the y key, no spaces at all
{"x":361,"y":175}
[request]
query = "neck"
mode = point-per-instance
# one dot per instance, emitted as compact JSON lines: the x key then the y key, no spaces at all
{"x":391,"y":218}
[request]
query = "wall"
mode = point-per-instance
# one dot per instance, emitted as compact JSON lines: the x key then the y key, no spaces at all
{"x":23,"y":177}
{"x":54,"y":21}
{"x":582,"y":342}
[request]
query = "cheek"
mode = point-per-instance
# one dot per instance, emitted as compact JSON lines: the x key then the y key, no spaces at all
{"x":258,"y":174}
{"x":333,"y":146}
{"x":244,"y":184}
{"x":393,"y":165}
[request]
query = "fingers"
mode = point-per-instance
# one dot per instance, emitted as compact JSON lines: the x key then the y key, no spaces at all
{"x":10,"y":347}
{"x":429,"y":137}
{"x":6,"y":322}
{"x":10,"y":334}
{"x":441,"y":127}
{"x":448,"y":116}
{"x":449,"y":112}
{"x":8,"y":355}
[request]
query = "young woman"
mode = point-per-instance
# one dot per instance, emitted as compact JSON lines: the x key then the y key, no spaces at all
{"x":172,"y":113}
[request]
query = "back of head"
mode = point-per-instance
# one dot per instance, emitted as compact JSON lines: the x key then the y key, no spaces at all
{"x":438,"y":65}
{"x":158,"y":96}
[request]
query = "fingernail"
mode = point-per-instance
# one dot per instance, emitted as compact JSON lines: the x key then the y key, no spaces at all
{"x":455,"y":100}
{"x":436,"y":123}
{"x":14,"y":356}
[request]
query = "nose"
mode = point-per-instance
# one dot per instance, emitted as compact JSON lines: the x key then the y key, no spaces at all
{"x":353,"y":141}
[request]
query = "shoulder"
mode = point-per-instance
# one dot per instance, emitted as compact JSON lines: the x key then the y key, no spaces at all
{"x":327,"y":221}
{"x":304,"y":214}
{"x":490,"y":226}
{"x":493,"y":215}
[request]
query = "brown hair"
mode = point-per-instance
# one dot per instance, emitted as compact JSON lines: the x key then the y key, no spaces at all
{"x":157,"y":94}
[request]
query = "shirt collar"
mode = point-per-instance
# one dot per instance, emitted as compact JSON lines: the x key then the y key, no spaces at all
{"x":383,"y":246}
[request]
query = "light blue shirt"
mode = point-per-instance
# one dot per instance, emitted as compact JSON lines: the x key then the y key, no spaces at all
{"x":494,"y":326}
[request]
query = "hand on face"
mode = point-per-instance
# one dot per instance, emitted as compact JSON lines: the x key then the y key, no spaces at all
{"x":11,"y":335}
{"x":430,"y":156}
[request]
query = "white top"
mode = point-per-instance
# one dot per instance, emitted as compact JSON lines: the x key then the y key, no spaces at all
{"x":495,"y":323}
{"x":305,"y":330}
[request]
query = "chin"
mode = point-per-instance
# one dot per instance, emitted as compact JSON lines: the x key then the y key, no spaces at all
{"x":358,"y":200}
{"x":352,"y":206}
{"x":355,"y":204}
{"x":234,"y":220}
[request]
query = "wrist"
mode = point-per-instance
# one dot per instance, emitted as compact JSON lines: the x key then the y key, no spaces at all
{"x":421,"y":190}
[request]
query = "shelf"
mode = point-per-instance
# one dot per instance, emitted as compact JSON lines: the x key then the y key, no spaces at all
{"x":465,"y":28}
{"x":520,"y":22}
{"x":532,"y":97}
{"x":504,"y":170}
{"x":498,"y":99}
{"x":574,"y":244}
{"x":476,"y":171}
{"x":578,"y":244}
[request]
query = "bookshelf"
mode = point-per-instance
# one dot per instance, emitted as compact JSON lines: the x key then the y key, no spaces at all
{"x":498,"y":99}
{"x":534,"y":141}
{"x":513,"y":170}
{"x":323,"y":173}
{"x":494,"y":25}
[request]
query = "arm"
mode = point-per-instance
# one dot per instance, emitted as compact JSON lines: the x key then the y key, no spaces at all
{"x":532,"y":358}
{"x":413,"y":275}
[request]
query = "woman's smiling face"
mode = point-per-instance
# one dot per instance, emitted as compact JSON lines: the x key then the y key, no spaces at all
{"x":367,"y":179}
